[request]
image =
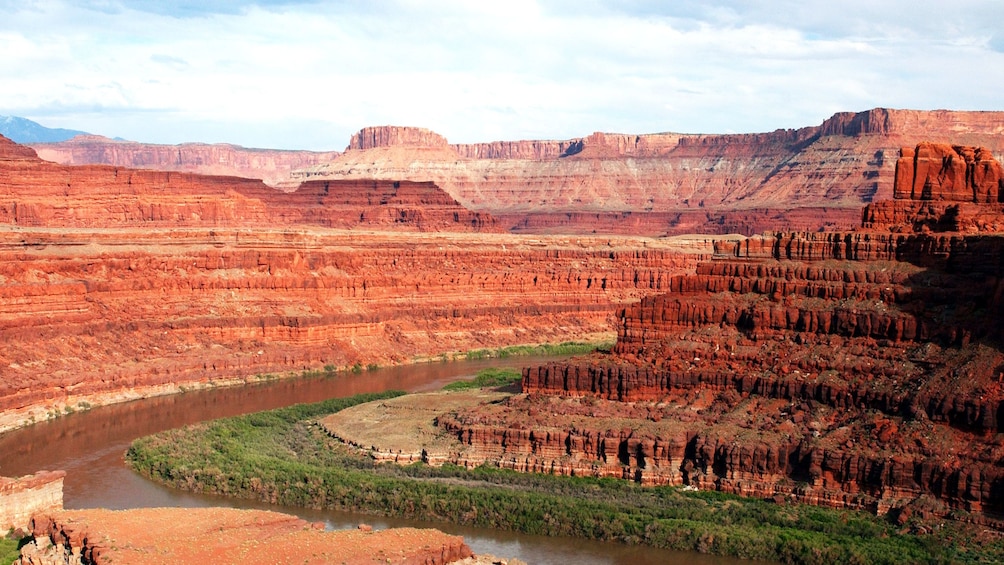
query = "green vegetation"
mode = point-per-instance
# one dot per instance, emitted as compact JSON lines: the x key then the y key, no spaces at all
{"x":493,"y":377}
{"x":9,"y":550}
{"x":282,"y":456}
{"x":564,"y":348}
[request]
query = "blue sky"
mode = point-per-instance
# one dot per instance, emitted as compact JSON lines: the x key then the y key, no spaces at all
{"x":306,"y":75}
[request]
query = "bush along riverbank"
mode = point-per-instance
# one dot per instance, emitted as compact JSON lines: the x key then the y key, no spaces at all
{"x":282,"y":456}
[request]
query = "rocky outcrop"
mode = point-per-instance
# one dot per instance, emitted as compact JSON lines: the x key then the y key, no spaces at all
{"x":745,"y":222}
{"x":22,"y":497}
{"x":859,"y":369}
{"x":11,"y":151}
{"x":942,"y":188}
{"x":957,"y":173}
{"x":151,"y":536}
{"x":270,"y":165}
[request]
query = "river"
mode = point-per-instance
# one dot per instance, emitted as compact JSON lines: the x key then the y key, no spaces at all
{"x":89,"y":446}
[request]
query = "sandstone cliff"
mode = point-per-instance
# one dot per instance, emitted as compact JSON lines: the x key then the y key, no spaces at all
{"x":34,"y":192}
{"x":855,"y":369}
{"x":943,"y":188}
{"x":270,"y":165}
{"x":837,"y":166}
{"x":154,"y":281}
{"x":611,"y":183}
{"x":22,"y":497}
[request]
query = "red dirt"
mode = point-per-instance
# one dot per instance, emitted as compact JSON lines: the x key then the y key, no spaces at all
{"x":151,"y":536}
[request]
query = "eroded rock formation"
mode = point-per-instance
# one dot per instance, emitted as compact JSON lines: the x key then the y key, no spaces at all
{"x":943,"y":187}
{"x":859,"y":369}
{"x":22,"y":497}
{"x":150,"y":536}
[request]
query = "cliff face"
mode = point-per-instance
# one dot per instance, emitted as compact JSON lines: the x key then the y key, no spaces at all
{"x":150,"y":310}
{"x":561,"y":185}
{"x":842,"y":164}
{"x":22,"y":497}
{"x":943,"y":188}
{"x":848,"y":369}
{"x":269,"y":165}
{"x":37,"y":193}
{"x":159,"y":280}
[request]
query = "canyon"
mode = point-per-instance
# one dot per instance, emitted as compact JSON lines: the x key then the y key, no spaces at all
{"x":808,"y":179}
{"x":120,"y":283}
{"x":859,"y":369}
{"x":849,"y":355}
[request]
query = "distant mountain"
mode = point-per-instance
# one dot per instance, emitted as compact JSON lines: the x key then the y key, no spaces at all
{"x":22,"y":130}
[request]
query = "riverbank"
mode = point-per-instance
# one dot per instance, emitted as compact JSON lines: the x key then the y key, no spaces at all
{"x":51,"y":409}
{"x":282,"y":456}
{"x":101,"y":315}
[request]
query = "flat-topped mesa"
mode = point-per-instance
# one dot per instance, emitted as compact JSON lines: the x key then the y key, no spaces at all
{"x":932,"y":124}
{"x":388,"y":136}
{"x":941,"y":187}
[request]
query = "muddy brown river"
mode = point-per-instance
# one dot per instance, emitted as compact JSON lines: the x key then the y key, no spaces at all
{"x":90,"y":445}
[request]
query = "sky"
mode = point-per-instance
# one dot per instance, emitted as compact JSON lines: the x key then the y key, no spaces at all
{"x":296,"y":74}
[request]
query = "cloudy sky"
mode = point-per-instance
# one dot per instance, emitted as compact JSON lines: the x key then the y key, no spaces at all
{"x":306,"y":75}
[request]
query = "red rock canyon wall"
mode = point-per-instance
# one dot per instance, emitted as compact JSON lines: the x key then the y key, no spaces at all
{"x":856,"y":369}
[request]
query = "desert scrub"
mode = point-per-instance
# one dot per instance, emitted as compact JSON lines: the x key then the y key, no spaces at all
{"x":564,"y":348}
{"x":283,"y":456}
{"x":9,"y":550}
{"x":492,"y":377}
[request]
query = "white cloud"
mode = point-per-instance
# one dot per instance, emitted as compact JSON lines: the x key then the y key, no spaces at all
{"x":289,"y":74}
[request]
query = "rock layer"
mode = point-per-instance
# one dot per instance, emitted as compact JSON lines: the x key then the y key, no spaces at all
{"x":841,"y":164}
{"x":37,"y":193}
{"x":606,"y":181}
{"x":847,"y":369}
{"x":270,"y":165}
{"x":152,"y":281}
{"x":22,"y":497}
